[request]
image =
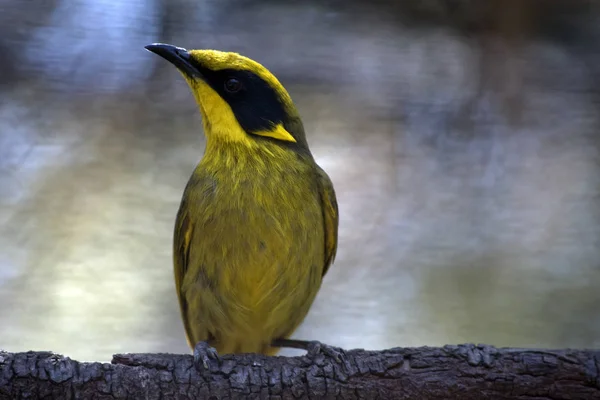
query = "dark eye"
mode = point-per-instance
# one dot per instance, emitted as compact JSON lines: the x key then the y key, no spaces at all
{"x":233,"y":85}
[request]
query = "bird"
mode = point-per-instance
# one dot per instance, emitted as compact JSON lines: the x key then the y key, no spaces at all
{"x":257,"y":226}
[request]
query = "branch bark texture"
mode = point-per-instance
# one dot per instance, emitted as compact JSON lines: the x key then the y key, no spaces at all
{"x":452,"y":372}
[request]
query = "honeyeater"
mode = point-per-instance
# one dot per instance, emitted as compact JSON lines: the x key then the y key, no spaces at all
{"x":257,"y":226}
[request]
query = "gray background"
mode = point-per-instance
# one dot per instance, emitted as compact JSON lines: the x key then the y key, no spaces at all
{"x":462,"y":138}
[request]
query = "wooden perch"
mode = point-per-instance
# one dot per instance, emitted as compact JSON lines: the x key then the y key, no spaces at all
{"x":451,"y":372}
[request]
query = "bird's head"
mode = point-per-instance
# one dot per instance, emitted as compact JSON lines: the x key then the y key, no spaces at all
{"x":240,"y":100}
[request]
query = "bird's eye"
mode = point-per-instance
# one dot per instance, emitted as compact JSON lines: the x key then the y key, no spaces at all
{"x":233,"y":85}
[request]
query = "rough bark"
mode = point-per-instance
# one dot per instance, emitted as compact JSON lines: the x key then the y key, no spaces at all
{"x":451,"y":372}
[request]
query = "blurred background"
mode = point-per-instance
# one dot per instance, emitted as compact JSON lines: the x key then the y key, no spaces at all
{"x":463,"y":139}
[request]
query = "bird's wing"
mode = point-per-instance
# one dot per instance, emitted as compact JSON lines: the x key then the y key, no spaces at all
{"x":181,"y":253}
{"x":330,"y":217}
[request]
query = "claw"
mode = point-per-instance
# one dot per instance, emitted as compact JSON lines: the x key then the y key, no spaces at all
{"x":315,"y":348}
{"x":203,"y":354}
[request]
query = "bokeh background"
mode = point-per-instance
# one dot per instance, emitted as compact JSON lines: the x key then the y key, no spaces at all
{"x":463,"y":139}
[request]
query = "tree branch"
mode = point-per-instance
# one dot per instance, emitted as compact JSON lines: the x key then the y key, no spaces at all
{"x":451,"y":372}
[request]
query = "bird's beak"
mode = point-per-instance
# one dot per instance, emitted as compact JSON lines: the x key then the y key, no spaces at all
{"x":177,"y":56}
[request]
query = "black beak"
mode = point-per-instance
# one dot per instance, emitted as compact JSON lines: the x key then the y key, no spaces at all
{"x":177,"y":56}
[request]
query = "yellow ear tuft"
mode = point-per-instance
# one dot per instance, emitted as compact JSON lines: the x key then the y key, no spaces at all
{"x":277,"y":132}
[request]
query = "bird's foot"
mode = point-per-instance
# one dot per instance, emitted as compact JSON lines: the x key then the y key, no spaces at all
{"x":315,"y":348}
{"x":203,"y":354}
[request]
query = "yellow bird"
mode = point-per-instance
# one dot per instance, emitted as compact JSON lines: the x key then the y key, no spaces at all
{"x":257,"y":226}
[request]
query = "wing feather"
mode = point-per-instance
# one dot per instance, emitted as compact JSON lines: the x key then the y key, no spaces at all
{"x":181,"y":254}
{"x":330,"y":217}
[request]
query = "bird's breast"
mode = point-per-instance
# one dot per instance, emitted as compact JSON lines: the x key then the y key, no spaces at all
{"x":257,"y":252}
